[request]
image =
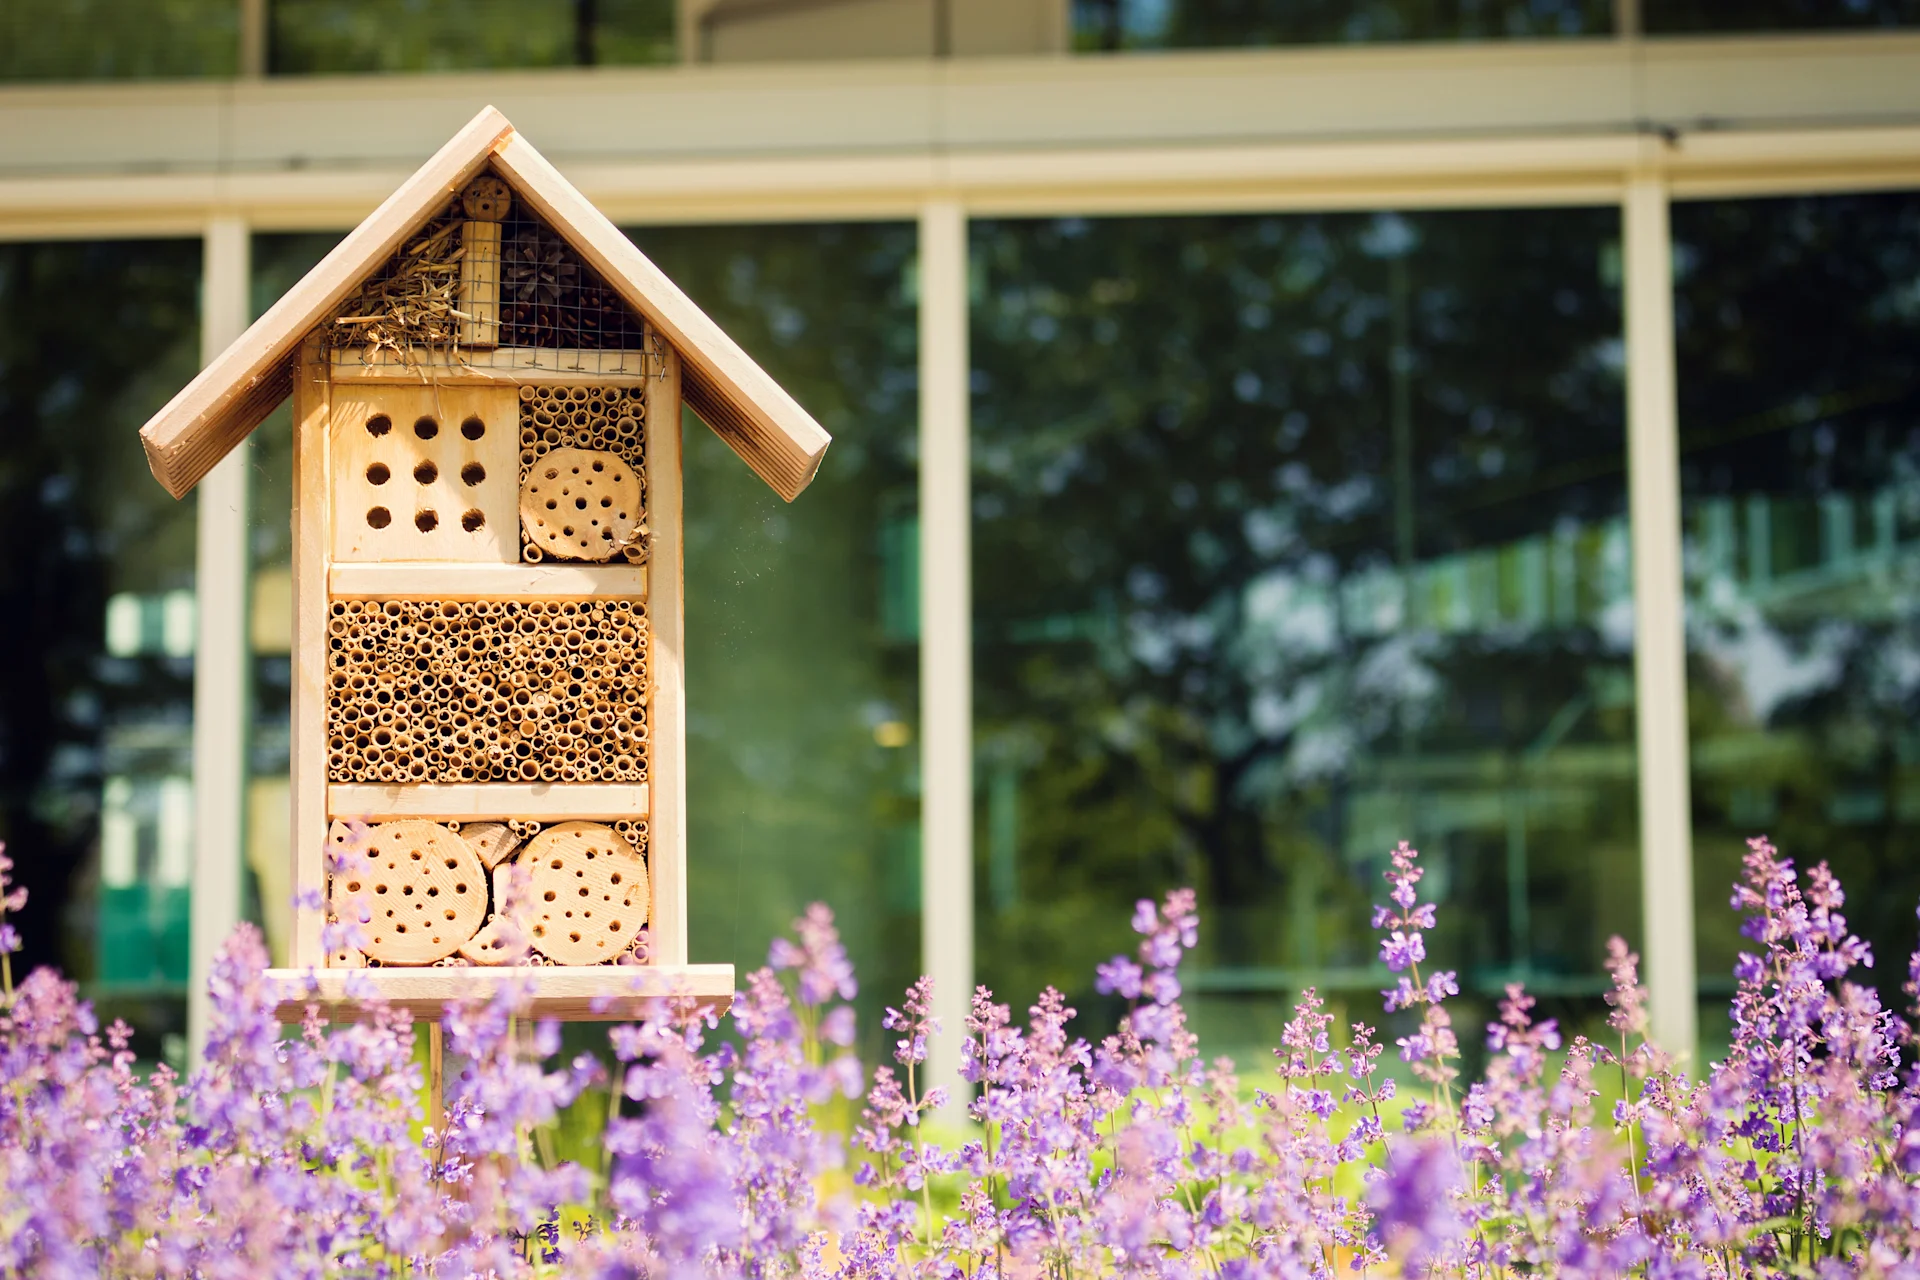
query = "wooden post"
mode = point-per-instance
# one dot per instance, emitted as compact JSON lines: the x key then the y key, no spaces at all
{"x":486,"y":200}
{"x":436,"y":1078}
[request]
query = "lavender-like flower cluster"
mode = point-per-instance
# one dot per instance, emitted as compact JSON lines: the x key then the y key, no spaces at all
{"x":772,"y":1153}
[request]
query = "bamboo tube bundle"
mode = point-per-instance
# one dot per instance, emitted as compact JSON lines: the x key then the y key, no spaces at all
{"x":474,"y":691}
{"x":605,"y":420}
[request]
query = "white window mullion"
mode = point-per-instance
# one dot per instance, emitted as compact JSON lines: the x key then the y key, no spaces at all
{"x":946,"y":639}
{"x":1660,"y":654}
{"x":220,"y":658}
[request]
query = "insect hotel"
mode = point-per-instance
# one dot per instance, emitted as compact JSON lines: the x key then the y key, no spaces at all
{"x":489,"y":653}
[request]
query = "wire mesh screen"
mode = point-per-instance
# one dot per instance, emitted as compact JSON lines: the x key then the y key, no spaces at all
{"x":487,"y":283}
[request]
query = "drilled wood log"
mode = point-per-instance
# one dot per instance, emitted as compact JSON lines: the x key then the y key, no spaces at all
{"x":582,"y":504}
{"x":421,"y":888}
{"x":589,"y":893}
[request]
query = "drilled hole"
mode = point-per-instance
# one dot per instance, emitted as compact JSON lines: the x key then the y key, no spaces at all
{"x":379,"y":424}
{"x":378,"y":473}
{"x":426,"y":472}
{"x":473,"y":473}
{"x":425,"y":427}
{"x":473,"y":428}
{"x":424,"y":521}
{"x":379,"y":517}
{"x":473,"y":520}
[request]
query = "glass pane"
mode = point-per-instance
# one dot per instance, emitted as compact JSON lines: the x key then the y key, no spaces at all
{"x":1798,"y":323}
{"x":1202,"y":24}
{"x":326,"y":36}
{"x":118,"y":39}
{"x":1295,"y":537}
{"x":1672,"y":17}
{"x":279,"y":261}
{"x":802,"y":619}
{"x":96,"y":659}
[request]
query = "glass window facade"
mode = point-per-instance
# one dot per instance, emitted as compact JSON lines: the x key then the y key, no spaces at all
{"x":118,"y":39}
{"x":802,"y":629}
{"x":279,"y":261}
{"x":1678,"y":17}
{"x":1210,"y":24}
{"x":1295,"y":537}
{"x":1798,"y":330}
{"x":96,"y":710}
{"x":331,"y":36}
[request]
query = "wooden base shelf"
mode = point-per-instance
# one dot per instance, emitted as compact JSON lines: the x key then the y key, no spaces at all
{"x":595,"y":993}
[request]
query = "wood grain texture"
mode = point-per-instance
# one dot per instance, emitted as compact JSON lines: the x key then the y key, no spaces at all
{"x":503,"y":366}
{"x":425,"y":473}
{"x":443,"y":581}
{"x":582,"y":504}
{"x":538,"y":801}
{"x":210,"y":414}
{"x":307,"y":839}
{"x":765,"y":425}
{"x":667,"y":834}
{"x":593,"y":993}
{"x":416,"y":888}
{"x":588,"y":893}
{"x":480,"y":284}
{"x":493,"y":842}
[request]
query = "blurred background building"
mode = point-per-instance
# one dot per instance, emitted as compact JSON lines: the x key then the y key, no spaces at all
{"x":1265,"y":430}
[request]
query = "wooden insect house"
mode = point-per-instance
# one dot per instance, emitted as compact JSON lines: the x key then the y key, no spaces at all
{"x":488,"y":704}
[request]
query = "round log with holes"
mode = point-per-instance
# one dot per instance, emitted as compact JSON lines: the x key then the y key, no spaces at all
{"x":589,"y":893}
{"x":420,"y":888}
{"x":581,"y":504}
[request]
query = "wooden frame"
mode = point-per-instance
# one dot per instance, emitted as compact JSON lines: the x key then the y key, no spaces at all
{"x":597,"y":994}
{"x":312,"y":406}
{"x":345,"y":407}
{"x":666,"y":608}
{"x":565,"y":991}
{"x":442,"y":802}
{"x":732,"y":394}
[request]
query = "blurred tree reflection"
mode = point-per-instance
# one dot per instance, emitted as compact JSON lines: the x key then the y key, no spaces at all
{"x":1798,"y":327}
{"x":802,"y":643}
{"x":1200,"y":24}
{"x":1295,"y":536}
{"x":93,"y":338}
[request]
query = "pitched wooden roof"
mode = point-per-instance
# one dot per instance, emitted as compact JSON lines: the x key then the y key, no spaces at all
{"x":720,"y":383}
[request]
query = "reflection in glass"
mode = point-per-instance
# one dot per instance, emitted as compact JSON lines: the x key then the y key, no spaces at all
{"x":118,"y":39}
{"x":1294,"y":537}
{"x":1204,"y":24}
{"x":279,"y":261}
{"x":1675,"y":17}
{"x":802,"y":623}
{"x":96,"y":658}
{"x":331,"y":36}
{"x":1798,"y":324}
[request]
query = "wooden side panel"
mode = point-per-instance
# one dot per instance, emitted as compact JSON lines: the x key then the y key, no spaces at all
{"x":215,"y":411}
{"x":763,"y":424}
{"x":308,"y":841}
{"x":667,"y":615}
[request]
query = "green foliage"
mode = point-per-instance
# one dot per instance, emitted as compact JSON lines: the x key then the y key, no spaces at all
{"x":332,"y":36}
{"x":118,"y":39}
